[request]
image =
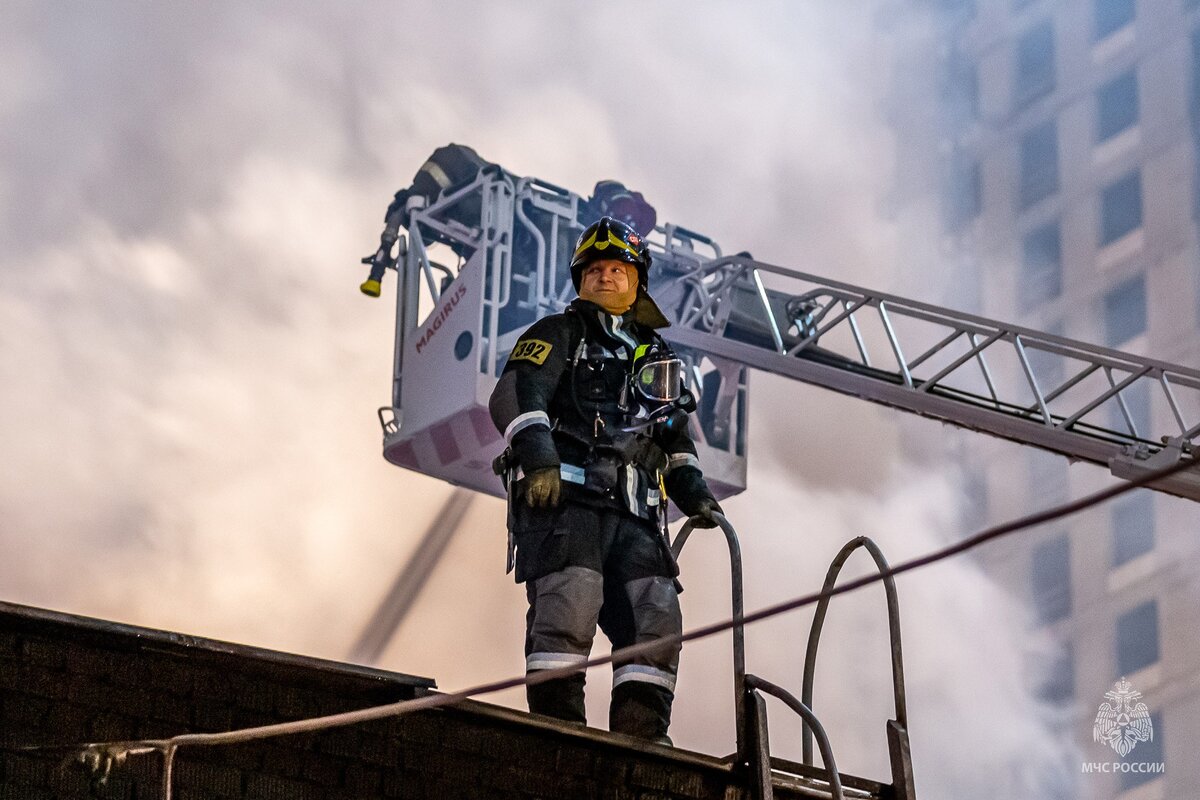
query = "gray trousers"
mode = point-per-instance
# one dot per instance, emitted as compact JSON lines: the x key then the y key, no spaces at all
{"x":612,"y":572}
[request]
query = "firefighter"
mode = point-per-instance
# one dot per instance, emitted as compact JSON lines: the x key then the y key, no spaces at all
{"x":449,"y":168}
{"x":613,"y":199}
{"x":592,"y":405}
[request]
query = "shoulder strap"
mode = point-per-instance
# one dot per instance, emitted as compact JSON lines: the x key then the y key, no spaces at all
{"x":577,"y":333}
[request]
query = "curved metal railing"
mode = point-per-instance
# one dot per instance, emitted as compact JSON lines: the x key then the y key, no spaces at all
{"x":739,"y":630}
{"x":897,"y":729}
{"x":752,"y":727}
{"x":818,"y":623}
{"x":811,"y":723}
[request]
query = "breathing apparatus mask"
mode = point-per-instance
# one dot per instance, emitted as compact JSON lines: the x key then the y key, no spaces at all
{"x":656,"y":382}
{"x":657,"y":376}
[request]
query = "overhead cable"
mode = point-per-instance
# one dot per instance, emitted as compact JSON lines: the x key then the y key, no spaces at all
{"x":102,"y":756}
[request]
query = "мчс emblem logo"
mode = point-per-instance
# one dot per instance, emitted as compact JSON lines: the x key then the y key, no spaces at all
{"x":1123,"y":722}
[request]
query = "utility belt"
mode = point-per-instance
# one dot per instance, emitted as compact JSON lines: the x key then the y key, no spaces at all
{"x":600,"y":476}
{"x":625,"y":447}
{"x":600,"y":459}
{"x":626,"y":468}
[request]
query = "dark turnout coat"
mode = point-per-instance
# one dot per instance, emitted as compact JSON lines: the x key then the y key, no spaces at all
{"x":562,"y":401}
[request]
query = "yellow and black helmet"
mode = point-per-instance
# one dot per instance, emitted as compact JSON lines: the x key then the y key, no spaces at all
{"x":610,"y":238}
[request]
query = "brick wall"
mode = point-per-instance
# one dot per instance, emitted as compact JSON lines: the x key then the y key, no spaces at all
{"x":66,"y":679}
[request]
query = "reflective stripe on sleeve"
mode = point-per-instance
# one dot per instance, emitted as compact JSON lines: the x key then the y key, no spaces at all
{"x":435,"y":171}
{"x":571,"y":473}
{"x":640,"y":672}
{"x":631,"y":486}
{"x":682,"y":460}
{"x":536,"y":661}
{"x":568,"y":472}
{"x":523,"y":421}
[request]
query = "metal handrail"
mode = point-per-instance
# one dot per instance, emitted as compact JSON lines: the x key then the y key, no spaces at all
{"x":755,"y":683}
{"x":739,"y":631}
{"x":744,"y":684}
{"x":814,"y":636}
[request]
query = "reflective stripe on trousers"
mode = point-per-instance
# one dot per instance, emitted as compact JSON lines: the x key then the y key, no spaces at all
{"x":638,"y":672}
{"x":564,"y":611}
{"x":564,"y":607}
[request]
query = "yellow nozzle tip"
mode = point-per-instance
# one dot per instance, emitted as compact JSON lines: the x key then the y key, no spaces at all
{"x":370,"y":288}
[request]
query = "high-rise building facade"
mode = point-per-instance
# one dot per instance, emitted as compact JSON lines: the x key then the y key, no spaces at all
{"x":1048,"y":174}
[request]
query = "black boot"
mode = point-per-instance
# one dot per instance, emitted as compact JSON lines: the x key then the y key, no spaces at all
{"x":641,"y":709}
{"x":562,"y":698}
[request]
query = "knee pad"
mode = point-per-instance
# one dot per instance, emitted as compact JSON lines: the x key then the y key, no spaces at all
{"x":564,"y":607}
{"x":656,"y":615}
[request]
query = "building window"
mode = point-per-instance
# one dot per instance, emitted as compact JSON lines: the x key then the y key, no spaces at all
{"x":1047,"y":473}
{"x":963,"y":194}
{"x":973,"y":511}
{"x":1125,"y":311}
{"x":1149,"y":752}
{"x":958,"y":9}
{"x":1137,"y":638}
{"x":1039,"y":163}
{"x":1132,"y":527}
{"x":1051,"y":578}
{"x":1035,"y":63}
{"x":1056,"y":678}
{"x":1047,"y":367}
{"x":1116,"y":106}
{"x":960,"y":93}
{"x":1111,"y":16}
{"x":1041,"y":267}
{"x":1194,"y":114}
{"x":965,"y":292}
{"x":1121,"y":207}
{"x":1194,"y":83}
{"x":1137,"y":402}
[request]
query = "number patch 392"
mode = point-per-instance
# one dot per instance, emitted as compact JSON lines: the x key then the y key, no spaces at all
{"x":534,"y":350}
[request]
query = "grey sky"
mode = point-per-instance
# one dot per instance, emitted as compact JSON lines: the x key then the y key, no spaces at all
{"x":191,"y":375}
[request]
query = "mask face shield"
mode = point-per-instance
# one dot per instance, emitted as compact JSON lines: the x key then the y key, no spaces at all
{"x":659,"y":379}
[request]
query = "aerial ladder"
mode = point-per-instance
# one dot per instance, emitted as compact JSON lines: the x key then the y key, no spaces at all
{"x":729,"y":313}
{"x":483,"y":260}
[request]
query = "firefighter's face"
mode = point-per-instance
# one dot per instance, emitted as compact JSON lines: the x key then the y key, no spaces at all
{"x":609,"y":283}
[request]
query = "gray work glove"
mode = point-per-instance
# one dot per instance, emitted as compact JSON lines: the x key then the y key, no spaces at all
{"x":702,"y":517}
{"x":543,"y":488}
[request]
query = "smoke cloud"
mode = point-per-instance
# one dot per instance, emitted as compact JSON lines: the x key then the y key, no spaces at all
{"x":191,"y":374}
